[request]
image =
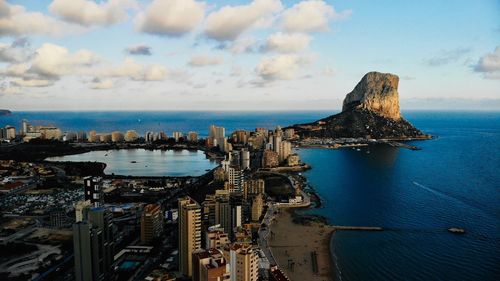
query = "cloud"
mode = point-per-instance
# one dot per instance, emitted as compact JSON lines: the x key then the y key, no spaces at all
{"x":99,"y":84}
{"x":286,"y":42}
{"x":23,"y":82}
{"x":170,"y":17}
{"x":90,"y":13}
{"x":239,"y":46}
{"x":16,"y":70}
{"x":8,"y":89}
{"x":15,"y":52}
{"x":229,"y":22}
{"x":143,"y":50}
{"x":489,"y":64}
{"x":311,"y":16}
{"x":447,"y":57}
{"x":21,"y":42}
{"x":16,"y":21}
{"x":282,"y":67}
{"x":205,"y":60}
{"x":135,"y":71}
{"x":53,"y":61}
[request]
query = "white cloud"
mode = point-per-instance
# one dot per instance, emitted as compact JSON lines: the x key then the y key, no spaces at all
{"x":287,"y":43}
{"x":205,"y":60}
{"x":21,"y":82}
{"x":281,"y":67}
{"x":99,"y":84}
{"x":15,"y":21}
{"x":13,"y":53}
{"x":90,"y":13}
{"x":239,"y":46}
{"x":135,"y":71}
{"x":489,"y":64}
{"x":311,"y":16}
{"x":170,"y":17}
{"x":16,"y":70}
{"x":53,"y":61}
{"x":230,"y":21}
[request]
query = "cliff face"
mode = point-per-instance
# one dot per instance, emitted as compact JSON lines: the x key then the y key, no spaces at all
{"x":371,"y":110}
{"x":376,"y":92}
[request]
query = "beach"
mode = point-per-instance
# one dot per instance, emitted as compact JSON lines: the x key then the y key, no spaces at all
{"x":302,"y":251}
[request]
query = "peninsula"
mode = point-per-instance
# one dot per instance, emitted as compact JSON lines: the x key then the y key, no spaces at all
{"x":370,"y":111}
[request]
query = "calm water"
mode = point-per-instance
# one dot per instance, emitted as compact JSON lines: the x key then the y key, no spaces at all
{"x":417,"y":195}
{"x":147,"y":162}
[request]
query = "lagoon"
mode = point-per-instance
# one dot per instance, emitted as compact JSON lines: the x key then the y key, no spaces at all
{"x":142,"y":162}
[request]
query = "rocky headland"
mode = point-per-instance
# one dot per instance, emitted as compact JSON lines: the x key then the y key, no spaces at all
{"x":370,"y":111}
{"x":5,"y":112}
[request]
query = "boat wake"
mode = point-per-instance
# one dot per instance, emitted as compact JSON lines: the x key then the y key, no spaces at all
{"x":456,"y":199}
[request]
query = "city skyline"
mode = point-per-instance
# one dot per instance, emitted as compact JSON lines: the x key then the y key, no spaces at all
{"x":183,"y":55}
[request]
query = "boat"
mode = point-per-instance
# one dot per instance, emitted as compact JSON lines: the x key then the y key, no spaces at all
{"x":456,"y":230}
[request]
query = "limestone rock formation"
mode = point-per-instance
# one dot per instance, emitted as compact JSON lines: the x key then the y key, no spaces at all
{"x":376,"y":92}
{"x":370,"y":111}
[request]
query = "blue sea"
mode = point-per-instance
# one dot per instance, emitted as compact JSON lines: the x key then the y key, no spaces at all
{"x":454,"y":181}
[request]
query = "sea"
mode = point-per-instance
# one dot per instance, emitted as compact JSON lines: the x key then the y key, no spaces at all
{"x":454,"y":181}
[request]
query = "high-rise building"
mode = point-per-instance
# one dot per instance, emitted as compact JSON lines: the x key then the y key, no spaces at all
{"x":189,"y":233}
{"x":116,"y":136}
{"x":93,"y":245}
{"x":151,"y":223}
{"x":177,"y":136}
{"x":257,"y":206}
{"x":93,"y":136}
{"x":217,"y":137}
{"x":285,"y":150}
{"x":243,"y":260}
{"x":24,"y":127}
{"x":93,"y":190}
{"x":10,"y":132}
{"x":215,"y":237}
{"x":81,"y":209}
{"x":81,"y":136}
{"x":210,"y":265}
{"x":245,"y":159}
{"x":105,"y":137}
{"x":289,"y":133}
{"x":276,"y":143}
{"x":131,"y":136}
{"x":192,"y":136}
{"x":223,"y":213}
{"x":236,"y":177}
{"x":251,"y":188}
{"x":50,"y":133}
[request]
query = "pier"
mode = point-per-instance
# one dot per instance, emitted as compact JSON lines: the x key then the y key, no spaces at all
{"x":362,"y":228}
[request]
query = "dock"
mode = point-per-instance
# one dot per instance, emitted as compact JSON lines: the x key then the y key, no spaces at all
{"x":362,"y":228}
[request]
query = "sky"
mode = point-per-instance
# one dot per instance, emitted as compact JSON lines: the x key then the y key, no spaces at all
{"x":245,"y":55}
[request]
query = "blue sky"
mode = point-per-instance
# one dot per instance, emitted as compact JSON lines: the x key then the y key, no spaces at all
{"x":245,"y":55}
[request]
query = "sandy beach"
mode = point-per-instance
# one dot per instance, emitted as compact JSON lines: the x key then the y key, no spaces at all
{"x":301,"y":251}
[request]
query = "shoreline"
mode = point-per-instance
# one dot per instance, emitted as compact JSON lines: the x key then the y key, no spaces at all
{"x":302,"y":259}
